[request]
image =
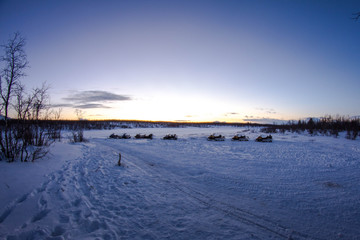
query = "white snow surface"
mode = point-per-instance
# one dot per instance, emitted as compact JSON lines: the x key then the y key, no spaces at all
{"x":297,"y":187}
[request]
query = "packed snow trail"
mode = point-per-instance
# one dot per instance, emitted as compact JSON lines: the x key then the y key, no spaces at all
{"x":192,"y":189}
{"x":240,"y":218}
{"x":92,"y":197}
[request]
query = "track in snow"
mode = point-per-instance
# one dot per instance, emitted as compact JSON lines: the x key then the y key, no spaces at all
{"x":146,"y":199}
{"x":257,"y":226}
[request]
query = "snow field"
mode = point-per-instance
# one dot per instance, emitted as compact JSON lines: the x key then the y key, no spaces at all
{"x":298,"y":187}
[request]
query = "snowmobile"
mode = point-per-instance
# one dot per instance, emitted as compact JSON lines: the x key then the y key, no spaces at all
{"x":114,"y":136}
{"x":213,"y":137}
{"x":170,"y":137}
{"x":240,"y":138}
{"x":264,"y":139}
{"x":124,"y":136}
{"x":139,"y":136}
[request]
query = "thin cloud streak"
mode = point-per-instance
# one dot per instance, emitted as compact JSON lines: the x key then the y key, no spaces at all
{"x":231,"y":114}
{"x":96,"y":96}
{"x":90,"y":105}
{"x":266,"y":110}
{"x":91,"y":100}
{"x":61,"y":105}
{"x":264,"y":120}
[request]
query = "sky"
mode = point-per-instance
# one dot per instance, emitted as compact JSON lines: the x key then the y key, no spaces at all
{"x":191,"y":60}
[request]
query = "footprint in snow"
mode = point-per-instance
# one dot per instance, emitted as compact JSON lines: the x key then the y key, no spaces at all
{"x":40,"y":215}
{"x":332,"y":185}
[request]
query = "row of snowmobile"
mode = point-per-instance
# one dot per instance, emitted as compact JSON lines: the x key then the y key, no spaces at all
{"x":142,"y":136}
{"x":240,"y":138}
{"x":212,"y":137}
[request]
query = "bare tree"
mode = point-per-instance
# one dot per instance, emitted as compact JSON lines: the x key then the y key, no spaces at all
{"x":40,"y":101}
{"x":78,"y":130}
{"x":79,"y":114}
{"x":57,"y":114}
{"x":25,"y":138}
{"x":15,"y":61}
{"x":23,"y":103}
{"x":32,"y":135}
{"x":54,"y":130}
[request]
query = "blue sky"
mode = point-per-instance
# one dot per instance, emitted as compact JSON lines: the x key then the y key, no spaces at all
{"x":192,"y":60}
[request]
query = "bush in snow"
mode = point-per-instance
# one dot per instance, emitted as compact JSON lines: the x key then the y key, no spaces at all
{"x":77,"y":136}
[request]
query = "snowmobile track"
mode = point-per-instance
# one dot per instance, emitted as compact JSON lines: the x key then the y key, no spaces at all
{"x":279,"y":231}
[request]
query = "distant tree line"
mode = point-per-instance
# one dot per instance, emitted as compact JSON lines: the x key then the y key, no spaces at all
{"x":327,"y":125}
{"x":111,"y":124}
{"x":73,"y":125}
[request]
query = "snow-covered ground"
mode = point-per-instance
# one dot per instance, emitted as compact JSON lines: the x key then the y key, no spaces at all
{"x":297,"y":187}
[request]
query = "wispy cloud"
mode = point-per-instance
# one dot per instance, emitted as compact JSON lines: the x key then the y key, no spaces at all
{"x":231,"y":114}
{"x":91,"y":99}
{"x":61,"y":105}
{"x":266,"y":110}
{"x":90,"y":105}
{"x":95,"y":96}
{"x":264,"y":120}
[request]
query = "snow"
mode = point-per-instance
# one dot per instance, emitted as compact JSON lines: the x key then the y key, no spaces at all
{"x":297,"y":187}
